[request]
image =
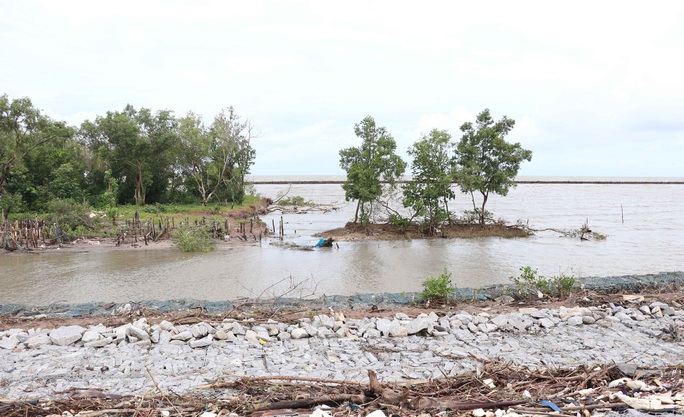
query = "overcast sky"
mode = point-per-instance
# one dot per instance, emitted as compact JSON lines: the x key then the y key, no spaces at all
{"x":595,"y":87}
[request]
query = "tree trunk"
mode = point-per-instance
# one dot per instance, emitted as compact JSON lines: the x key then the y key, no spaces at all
{"x":482,"y":212}
{"x":139,"y":187}
{"x":356,"y":215}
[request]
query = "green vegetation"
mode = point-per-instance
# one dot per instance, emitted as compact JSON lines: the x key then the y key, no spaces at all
{"x":190,"y":238}
{"x":482,"y":161}
{"x":295,"y":200}
{"x":132,"y":156}
{"x":74,"y":219}
{"x":437,"y":288}
{"x":368,"y":166}
{"x":485,"y":162}
{"x":430,"y":190}
{"x":529,"y":283}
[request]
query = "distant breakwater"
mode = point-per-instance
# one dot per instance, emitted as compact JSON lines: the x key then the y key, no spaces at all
{"x":561,"y":182}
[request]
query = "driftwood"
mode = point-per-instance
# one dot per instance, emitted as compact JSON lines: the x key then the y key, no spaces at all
{"x":494,"y":385}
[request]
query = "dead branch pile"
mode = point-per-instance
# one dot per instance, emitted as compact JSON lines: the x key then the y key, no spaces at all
{"x":494,"y":385}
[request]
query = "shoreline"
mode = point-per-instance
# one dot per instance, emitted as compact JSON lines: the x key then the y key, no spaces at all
{"x":202,"y":358}
{"x":670,"y":281}
{"x":238,"y":357}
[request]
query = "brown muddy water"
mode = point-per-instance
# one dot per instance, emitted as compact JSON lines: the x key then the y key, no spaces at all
{"x":644,"y":224}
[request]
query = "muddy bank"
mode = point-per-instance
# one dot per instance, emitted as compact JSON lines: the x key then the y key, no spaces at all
{"x":376,"y":231}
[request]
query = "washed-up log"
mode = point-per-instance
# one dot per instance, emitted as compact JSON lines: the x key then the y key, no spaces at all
{"x":427,"y":403}
{"x":332,"y":400}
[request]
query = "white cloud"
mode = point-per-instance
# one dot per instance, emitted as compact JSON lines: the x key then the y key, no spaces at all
{"x":581,"y":80}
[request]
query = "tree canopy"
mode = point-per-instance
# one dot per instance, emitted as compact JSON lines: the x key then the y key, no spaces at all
{"x":429,"y":190}
{"x":218,"y":157}
{"x":123,"y":156}
{"x":23,"y":129}
{"x":485,"y":162}
{"x":369,"y":165}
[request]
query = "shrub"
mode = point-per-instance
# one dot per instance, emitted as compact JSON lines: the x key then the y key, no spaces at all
{"x":529,"y":283}
{"x":72,"y":218}
{"x":439,"y":288}
{"x":397,"y":220}
{"x":191,"y":238}
{"x":295,"y":200}
{"x":473,"y":216}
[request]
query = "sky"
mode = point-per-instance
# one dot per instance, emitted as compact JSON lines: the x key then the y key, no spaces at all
{"x":596,"y":87}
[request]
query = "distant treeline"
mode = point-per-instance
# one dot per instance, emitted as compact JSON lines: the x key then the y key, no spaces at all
{"x":125,"y":156}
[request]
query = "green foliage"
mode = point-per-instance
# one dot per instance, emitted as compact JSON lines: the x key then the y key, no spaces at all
{"x":474,"y":217}
{"x":216,"y":159}
{"x":368,"y":166}
{"x":437,"y":288}
{"x":10,"y":203}
{"x":72,"y":218}
{"x":529,"y":283}
{"x":138,"y":146}
{"x":432,"y":170}
{"x":156,"y":209}
{"x":190,"y":238}
{"x":397,"y":220}
{"x":599,"y":236}
{"x":23,"y":130}
{"x":485,"y":162}
{"x":295,"y":200}
{"x":67,"y":183}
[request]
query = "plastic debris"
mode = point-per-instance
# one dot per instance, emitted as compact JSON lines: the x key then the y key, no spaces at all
{"x":319,"y":412}
{"x":551,"y":405}
{"x":652,"y":403}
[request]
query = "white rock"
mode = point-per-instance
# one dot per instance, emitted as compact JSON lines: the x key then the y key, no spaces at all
{"x":200,"y":343}
{"x":398,"y":331}
{"x":546,"y":323}
{"x":90,"y":336}
{"x":299,"y":333}
{"x":184,"y":336}
{"x":8,"y":343}
{"x":575,"y":320}
{"x":63,"y":336}
{"x":138,"y":332}
{"x":384,"y":325}
{"x":221,"y":335}
{"x":500,"y":320}
{"x":39,"y":340}
{"x":98,"y":343}
{"x":417,"y":325}
{"x":238,"y":329}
